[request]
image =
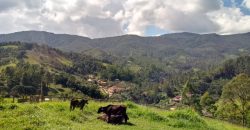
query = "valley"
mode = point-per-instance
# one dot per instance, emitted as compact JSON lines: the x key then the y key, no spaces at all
{"x":170,"y":72}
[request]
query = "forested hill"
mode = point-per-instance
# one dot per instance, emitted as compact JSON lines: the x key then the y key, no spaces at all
{"x":32,"y":66}
{"x":29,"y":65}
{"x":54,"y":59}
{"x":223,"y":92}
{"x":180,"y":51}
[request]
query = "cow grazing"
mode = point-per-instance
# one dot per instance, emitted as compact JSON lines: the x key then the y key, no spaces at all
{"x":114,"y":110}
{"x":114,"y":119}
{"x":76,"y":103}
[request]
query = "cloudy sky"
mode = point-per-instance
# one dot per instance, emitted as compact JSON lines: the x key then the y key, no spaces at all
{"x":102,"y":18}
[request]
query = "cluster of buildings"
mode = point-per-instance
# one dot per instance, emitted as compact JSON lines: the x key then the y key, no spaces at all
{"x":107,"y":87}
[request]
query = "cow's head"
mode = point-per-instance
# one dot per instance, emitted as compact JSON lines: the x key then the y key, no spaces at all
{"x":101,"y":109}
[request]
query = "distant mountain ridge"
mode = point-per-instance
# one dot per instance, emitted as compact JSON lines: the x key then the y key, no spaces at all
{"x":42,"y":37}
{"x":181,"y":50}
{"x":69,"y":42}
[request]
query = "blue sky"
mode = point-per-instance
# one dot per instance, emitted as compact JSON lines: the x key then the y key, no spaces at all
{"x":238,"y":4}
{"x":154,"y":31}
{"x":105,"y":18}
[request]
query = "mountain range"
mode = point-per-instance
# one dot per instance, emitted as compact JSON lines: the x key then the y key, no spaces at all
{"x":177,"y":51}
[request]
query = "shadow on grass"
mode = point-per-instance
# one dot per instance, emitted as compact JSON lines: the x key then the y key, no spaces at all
{"x":128,"y":123}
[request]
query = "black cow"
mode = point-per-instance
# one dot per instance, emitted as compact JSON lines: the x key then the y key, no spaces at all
{"x":114,"y":110}
{"x":76,"y":103}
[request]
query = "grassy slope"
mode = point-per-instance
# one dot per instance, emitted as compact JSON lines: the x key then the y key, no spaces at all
{"x":14,"y":61}
{"x":56,"y":115}
{"x":37,"y":56}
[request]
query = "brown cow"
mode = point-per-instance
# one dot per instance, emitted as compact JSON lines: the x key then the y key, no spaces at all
{"x":76,"y":103}
{"x":114,"y":110}
{"x":114,"y":119}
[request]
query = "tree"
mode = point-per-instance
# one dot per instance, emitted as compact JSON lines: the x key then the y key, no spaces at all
{"x":237,"y":92}
{"x":3,"y":90}
{"x":207,"y":102}
{"x":23,"y":91}
{"x":185,"y":91}
{"x":190,"y":94}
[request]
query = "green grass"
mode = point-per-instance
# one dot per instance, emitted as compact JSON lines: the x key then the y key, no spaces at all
{"x":65,"y":61}
{"x":31,"y":58}
{"x":34,"y":57}
{"x":9,"y":46}
{"x":56,"y":115}
{"x":134,"y":68}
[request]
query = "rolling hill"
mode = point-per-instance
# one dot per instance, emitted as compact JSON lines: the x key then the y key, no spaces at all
{"x":179,"y":51}
{"x":31,"y":65}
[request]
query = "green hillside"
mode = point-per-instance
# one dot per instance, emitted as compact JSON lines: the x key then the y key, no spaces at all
{"x":51,"y":115}
{"x":222,"y":92}
{"x":26,"y":65}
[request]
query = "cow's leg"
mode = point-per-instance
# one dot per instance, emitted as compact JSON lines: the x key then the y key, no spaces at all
{"x":125,"y":116}
{"x":109,"y":116}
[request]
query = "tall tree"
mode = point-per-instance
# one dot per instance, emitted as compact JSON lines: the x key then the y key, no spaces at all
{"x":237,"y":92}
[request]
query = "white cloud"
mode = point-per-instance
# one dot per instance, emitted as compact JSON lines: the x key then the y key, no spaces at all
{"x":246,"y":3}
{"x":101,"y":18}
{"x":178,"y":15}
{"x":231,"y":20}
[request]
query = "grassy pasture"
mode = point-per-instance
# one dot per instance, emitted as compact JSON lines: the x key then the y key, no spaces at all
{"x":56,"y":115}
